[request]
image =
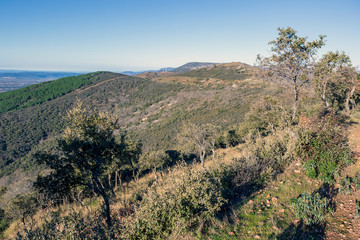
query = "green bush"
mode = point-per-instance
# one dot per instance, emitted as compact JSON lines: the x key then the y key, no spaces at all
{"x":311,"y":208}
{"x":348,"y":184}
{"x":345,"y":185}
{"x":188,"y":199}
{"x":323,"y":150}
{"x":357,"y":208}
{"x":3,"y":221}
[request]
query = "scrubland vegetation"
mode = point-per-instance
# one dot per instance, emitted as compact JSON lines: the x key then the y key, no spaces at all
{"x":228,"y":152}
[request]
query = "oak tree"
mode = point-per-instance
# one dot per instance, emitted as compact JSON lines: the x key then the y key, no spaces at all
{"x":86,"y":151}
{"x":292,"y":60}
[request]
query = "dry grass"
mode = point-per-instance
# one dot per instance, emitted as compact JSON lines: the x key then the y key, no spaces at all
{"x":124,"y":195}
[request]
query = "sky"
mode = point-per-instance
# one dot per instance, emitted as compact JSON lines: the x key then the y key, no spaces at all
{"x":120,"y":35}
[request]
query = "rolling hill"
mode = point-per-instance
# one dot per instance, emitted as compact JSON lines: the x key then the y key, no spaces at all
{"x":150,"y":110}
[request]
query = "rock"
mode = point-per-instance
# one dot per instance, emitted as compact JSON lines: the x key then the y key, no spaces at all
{"x":274,"y":200}
{"x":297,"y":171}
{"x":231,"y":233}
{"x":257,"y":237}
{"x":268,"y":196}
{"x":281,"y":210}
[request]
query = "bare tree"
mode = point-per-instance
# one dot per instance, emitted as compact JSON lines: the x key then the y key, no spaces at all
{"x":154,"y":160}
{"x":200,"y":138}
{"x":292,"y":60}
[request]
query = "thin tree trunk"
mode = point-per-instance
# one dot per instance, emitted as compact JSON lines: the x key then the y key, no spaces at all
{"x":109,"y":180}
{"x":116,"y":180}
{"x":156,"y":176}
{"x":295,"y":104}
{"x":120,"y":179}
{"x":202,"y":159}
{"x":323,"y":96}
{"x":105,"y":198}
{"x":347,"y":101}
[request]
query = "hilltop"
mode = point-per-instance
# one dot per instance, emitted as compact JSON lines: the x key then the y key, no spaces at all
{"x":192,"y":66}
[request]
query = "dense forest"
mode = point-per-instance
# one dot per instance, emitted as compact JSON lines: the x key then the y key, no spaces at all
{"x":229,"y":151}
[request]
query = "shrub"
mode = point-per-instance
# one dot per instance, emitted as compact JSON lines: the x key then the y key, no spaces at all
{"x":23,"y":206}
{"x":3,"y":221}
{"x":323,"y":149}
{"x":188,"y":199}
{"x":345,"y":185}
{"x":357,"y":208}
{"x":261,"y":160}
{"x":348,"y":184}
{"x":73,"y":226}
{"x":311,"y":208}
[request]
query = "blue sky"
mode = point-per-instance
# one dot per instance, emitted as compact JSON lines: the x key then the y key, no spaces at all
{"x":90,"y":35}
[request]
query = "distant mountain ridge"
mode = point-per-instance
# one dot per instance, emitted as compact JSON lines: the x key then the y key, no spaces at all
{"x":132,"y":73}
{"x":192,"y":66}
{"x":182,"y":69}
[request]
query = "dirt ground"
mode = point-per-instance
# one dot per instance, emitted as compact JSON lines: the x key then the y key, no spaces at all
{"x":344,"y":223}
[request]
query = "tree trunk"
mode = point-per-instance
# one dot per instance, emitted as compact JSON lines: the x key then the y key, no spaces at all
{"x":156,"y":176}
{"x":295,"y":104}
{"x":323,"y":96}
{"x":102,"y":192}
{"x":109,"y":180}
{"x":133,"y":173}
{"x":347,"y":101}
{"x":120,"y":179}
{"x":202,"y":159}
{"x":116,"y":180}
{"x":213,"y":153}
